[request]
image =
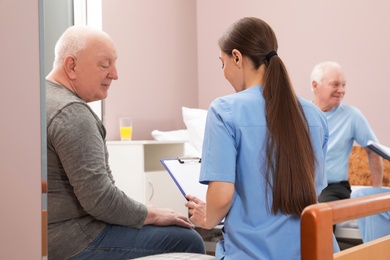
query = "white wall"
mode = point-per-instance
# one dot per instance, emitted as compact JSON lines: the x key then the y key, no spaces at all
{"x":20,"y":131}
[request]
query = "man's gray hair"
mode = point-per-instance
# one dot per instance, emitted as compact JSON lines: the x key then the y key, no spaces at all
{"x":71,"y":42}
{"x":318,"y":71}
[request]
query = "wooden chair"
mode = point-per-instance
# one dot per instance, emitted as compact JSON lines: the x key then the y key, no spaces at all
{"x":317,"y":222}
{"x":44,"y":223}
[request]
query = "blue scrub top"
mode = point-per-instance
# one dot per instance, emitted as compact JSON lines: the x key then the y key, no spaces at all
{"x":234,"y":151}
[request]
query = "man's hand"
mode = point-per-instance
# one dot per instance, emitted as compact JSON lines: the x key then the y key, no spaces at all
{"x":166,"y":217}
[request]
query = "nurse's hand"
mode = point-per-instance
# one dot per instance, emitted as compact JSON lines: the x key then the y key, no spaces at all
{"x":197,"y":210}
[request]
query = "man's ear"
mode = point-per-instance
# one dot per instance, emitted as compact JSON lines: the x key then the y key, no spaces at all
{"x":314,"y":86}
{"x":69,"y":66}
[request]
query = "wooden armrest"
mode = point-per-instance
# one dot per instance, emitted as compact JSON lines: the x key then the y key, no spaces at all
{"x":377,"y":249}
{"x":44,"y":223}
{"x":44,"y":187}
{"x":317,"y":222}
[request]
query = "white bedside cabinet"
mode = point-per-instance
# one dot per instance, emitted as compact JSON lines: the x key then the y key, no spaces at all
{"x":138,"y":172}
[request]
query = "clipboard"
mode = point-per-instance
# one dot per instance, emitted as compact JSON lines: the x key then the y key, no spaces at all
{"x":185,"y":172}
{"x":380,"y":149}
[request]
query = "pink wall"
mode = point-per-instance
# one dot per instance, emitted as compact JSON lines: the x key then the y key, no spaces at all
{"x":169,"y":55}
{"x":354,"y":33}
{"x":157,"y":64}
{"x":20,"y":131}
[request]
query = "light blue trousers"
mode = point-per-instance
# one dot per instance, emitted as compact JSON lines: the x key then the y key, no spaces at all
{"x":375,"y":226}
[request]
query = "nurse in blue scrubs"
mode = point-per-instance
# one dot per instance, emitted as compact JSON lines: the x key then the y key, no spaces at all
{"x":264,"y":150}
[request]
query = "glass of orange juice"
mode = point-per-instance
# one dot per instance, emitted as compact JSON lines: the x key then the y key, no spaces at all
{"x":126,"y":128}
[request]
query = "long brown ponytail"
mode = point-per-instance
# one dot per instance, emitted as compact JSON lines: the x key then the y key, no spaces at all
{"x":290,"y":157}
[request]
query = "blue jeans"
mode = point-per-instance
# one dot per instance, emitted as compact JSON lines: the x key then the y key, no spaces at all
{"x":119,"y":242}
{"x":374,"y":226}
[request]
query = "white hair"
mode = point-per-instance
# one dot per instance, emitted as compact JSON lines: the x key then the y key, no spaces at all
{"x":319,"y":70}
{"x":72,"y":42}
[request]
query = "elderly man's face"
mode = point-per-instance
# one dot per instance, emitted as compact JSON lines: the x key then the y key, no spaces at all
{"x":95,"y":68}
{"x":331,"y":92}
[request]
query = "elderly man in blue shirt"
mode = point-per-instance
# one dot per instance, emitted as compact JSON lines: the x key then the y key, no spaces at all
{"x":346,"y":126}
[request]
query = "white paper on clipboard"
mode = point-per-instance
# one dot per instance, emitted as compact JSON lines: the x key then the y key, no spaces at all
{"x":185,"y":173}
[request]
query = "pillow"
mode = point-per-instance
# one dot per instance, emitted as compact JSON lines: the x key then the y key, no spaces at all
{"x":177,"y":135}
{"x":195,"y":121}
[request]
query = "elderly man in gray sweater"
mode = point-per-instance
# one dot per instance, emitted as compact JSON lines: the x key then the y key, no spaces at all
{"x":88,"y":216}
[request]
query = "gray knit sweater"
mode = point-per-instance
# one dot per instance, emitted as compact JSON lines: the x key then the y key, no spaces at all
{"x":82,"y":196}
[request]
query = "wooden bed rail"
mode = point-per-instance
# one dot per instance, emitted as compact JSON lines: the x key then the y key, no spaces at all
{"x":44,"y":223}
{"x":44,"y":187}
{"x":317,"y":228}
